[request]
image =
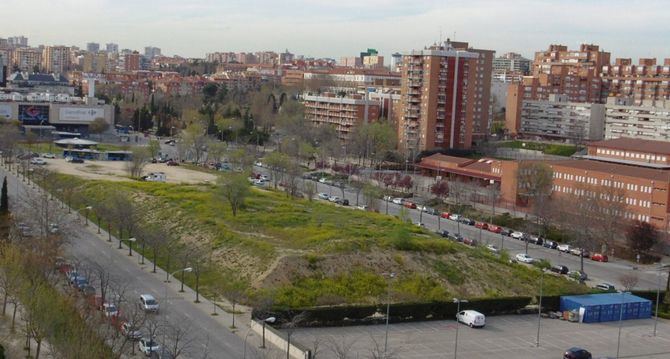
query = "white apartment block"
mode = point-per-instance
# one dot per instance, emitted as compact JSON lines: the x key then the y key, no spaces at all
{"x":647,"y":121}
{"x":557,"y":118}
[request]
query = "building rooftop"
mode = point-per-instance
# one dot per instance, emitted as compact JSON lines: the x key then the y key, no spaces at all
{"x":615,"y":169}
{"x":632,"y":144}
{"x":605,"y":298}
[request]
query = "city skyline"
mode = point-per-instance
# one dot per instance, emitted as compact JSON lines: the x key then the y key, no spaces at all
{"x":323,"y":29}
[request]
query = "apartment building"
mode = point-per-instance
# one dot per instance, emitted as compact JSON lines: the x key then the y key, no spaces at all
{"x":648,"y":121}
{"x":27,"y":59}
{"x":343,"y":113}
{"x":556,"y":118}
{"x":93,"y":47}
{"x":434,"y":102}
{"x":56,"y":59}
{"x":511,"y":63}
{"x":112,"y":48}
{"x":588,"y":58}
{"x":94,"y":62}
{"x":132,"y":61}
{"x":645,"y":82}
{"x":293,"y":78}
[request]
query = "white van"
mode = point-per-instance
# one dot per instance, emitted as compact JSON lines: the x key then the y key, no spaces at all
{"x":471,"y":318}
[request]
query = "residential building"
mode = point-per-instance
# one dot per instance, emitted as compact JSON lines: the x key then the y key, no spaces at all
{"x":396,"y":61}
{"x":286,"y":58}
{"x":150,"y":52}
{"x":94,"y":62}
{"x":112,"y":48}
{"x":435,"y":105}
{"x":293,"y":78}
{"x":373,"y":62}
{"x":351,"y":61}
{"x":27,"y":59}
{"x":17,"y":41}
{"x":132,"y":61}
{"x":648,"y":121}
{"x":556,"y":118}
{"x":267,"y":57}
{"x":645,"y":82}
{"x":56,"y":59}
{"x":343,"y":113}
{"x":589,"y":58}
{"x":511,"y":63}
{"x":93,"y":47}
{"x":351,"y":78}
{"x":238,"y":81}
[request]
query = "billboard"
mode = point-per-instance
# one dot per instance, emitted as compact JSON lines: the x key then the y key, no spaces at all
{"x":34,"y":114}
{"x":80,"y":115}
{"x":5,"y":111}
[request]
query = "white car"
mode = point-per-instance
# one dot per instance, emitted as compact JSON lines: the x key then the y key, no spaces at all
{"x":333,"y":198}
{"x":130,"y":331}
{"x":110,"y":310}
{"x":397,"y":200}
{"x":38,"y":161}
{"x":259,"y":164}
{"x":322,"y":180}
{"x":148,"y":346}
{"x":259,"y":182}
{"x":492,"y":248}
{"x":49,"y":155}
{"x":471,"y":318}
{"x":525,"y":258}
{"x":148,"y":303}
{"x":388,"y":198}
{"x":323,"y":196}
{"x":454,"y":217}
{"x":564,"y":248}
{"x":607,"y":287}
{"x":516,"y":235}
{"x":362,"y":207}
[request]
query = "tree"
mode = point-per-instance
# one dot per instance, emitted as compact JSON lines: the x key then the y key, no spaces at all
{"x":440,"y":189}
{"x":154,"y":148}
{"x":235,"y":291}
{"x":628,"y":281}
{"x":234,"y":187}
{"x":4,"y":200}
{"x":641,"y":236}
{"x":195,"y":139}
{"x":310,"y":190}
{"x":140,"y":158}
{"x":534,"y":187}
{"x":277,"y":163}
{"x":98,"y":126}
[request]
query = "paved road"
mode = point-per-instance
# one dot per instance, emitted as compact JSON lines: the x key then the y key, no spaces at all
{"x":503,"y":337}
{"x":209,"y":334}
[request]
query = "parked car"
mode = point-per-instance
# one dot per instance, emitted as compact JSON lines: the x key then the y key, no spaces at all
{"x":482,"y":225}
{"x":599,"y":257}
{"x":607,"y":287}
{"x":517,"y":235}
{"x":560,"y":269}
{"x":445,"y":215}
{"x":493,"y":248}
{"x":76,"y":160}
{"x":388,"y":198}
{"x":130,"y":331}
{"x":419,"y":224}
{"x":38,"y":161}
{"x":564,"y":248}
{"x":110,"y":310}
{"x":467,"y":221}
{"x":410,"y":205}
{"x":536,"y":240}
{"x":48,"y":155}
{"x":444,"y":233}
{"x":472,"y":318}
{"x":578,"y":275}
{"x":550,"y":244}
{"x":470,"y":241}
{"x":87,"y":290}
{"x":431,"y":211}
{"x":495,"y":229}
{"x":506,"y":232}
{"x":148,"y":346}
{"x":397,"y":200}
{"x":454,"y":217}
{"x":579,"y":251}
{"x":172,"y":163}
{"x":577,"y":353}
{"x":362,"y":207}
{"x":79,"y":282}
{"x":524,"y":258}
{"x":333,"y":198}
{"x":323,"y":196}
{"x":455,"y":237}
{"x":343,"y":202}
{"x":148,"y":303}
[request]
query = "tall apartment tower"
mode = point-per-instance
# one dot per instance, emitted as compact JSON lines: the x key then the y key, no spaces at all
{"x":434,"y":99}
{"x":56,"y":59}
{"x":93,"y":47}
{"x":112,"y":48}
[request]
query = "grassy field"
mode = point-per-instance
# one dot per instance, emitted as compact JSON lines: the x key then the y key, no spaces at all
{"x":43,"y":147}
{"x":546,"y":148}
{"x":305,"y":253}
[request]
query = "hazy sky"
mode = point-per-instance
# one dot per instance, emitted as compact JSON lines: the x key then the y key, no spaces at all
{"x":334,"y":28}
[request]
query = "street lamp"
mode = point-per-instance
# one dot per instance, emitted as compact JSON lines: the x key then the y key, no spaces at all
{"x":658,"y":292}
{"x":539,"y":309}
{"x":87,"y":208}
{"x":458,"y":310}
{"x":388,"y":310}
{"x":269,"y":320}
{"x":618,"y":341}
{"x":130,"y":245}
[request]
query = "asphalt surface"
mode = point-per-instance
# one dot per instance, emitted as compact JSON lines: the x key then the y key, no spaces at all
{"x":207,"y":334}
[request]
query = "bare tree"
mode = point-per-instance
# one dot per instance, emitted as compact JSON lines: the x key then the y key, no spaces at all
{"x":178,"y":340}
{"x":98,"y":126}
{"x":628,"y":281}
{"x":379,"y":352}
{"x":139,"y":159}
{"x":234,"y":187}
{"x":341,"y":347}
{"x":310,"y":189}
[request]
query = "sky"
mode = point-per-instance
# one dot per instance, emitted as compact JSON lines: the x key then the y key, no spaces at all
{"x":335,"y":28}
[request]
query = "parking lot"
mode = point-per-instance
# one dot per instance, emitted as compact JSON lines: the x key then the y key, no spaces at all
{"x":503,"y":337}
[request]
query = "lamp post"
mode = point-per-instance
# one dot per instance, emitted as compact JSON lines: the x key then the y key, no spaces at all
{"x":388,"y":310}
{"x":618,"y":341}
{"x":130,"y":245}
{"x":458,"y":310}
{"x":658,"y":293}
{"x":87,"y":208}
{"x":269,"y":320}
{"x":539,"y":310}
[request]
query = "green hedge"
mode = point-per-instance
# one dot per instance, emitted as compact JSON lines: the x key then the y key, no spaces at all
{"x":402,"y":312}
{"x":649,"y":294}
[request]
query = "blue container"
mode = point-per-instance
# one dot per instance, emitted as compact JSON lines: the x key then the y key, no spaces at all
{"x":607,"y":307}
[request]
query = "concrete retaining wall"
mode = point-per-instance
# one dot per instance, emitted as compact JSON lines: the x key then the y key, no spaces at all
{"x":278,"y":339}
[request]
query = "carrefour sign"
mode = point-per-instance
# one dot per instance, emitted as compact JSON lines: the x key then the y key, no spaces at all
{"x":80,"y":114}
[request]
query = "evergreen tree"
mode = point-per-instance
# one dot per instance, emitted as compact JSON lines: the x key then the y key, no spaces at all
{"x":4,"y":200}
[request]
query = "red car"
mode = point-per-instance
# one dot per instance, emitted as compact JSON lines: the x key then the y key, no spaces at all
{"x":445,"y":215}
{"x":482,"y":225}
{"x":172,"y":163}
{"x":599,"y":257}
{"x":409,"y":204}
{"x":494,"y":228}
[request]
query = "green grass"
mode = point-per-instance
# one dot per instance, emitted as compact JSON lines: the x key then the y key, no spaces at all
{"x":316,"y":234}
{"x":546,"y":148}
{"x":43,"y":147}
